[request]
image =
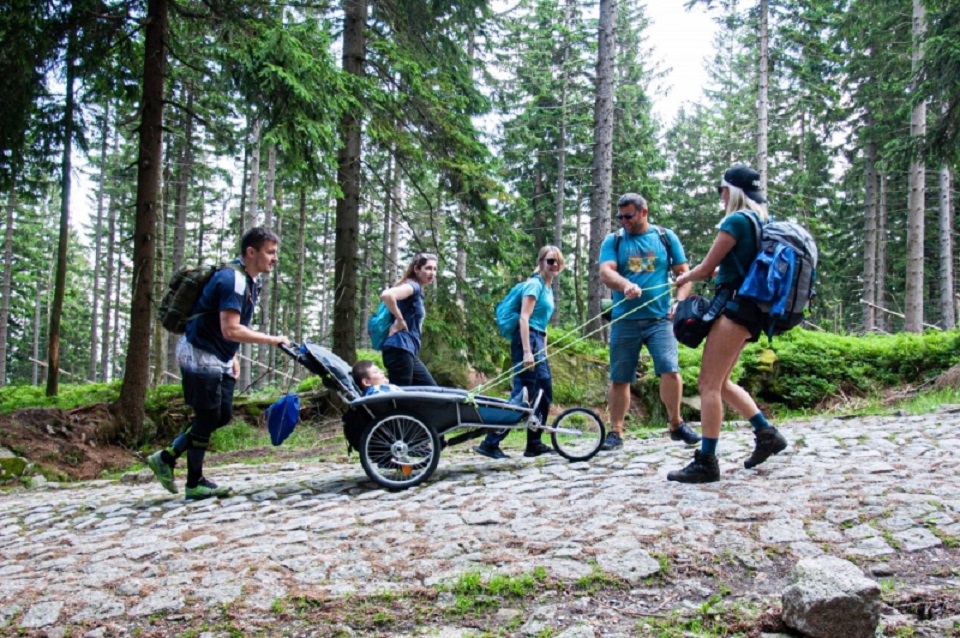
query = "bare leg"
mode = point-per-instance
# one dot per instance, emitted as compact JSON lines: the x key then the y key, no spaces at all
{"x":671,"y":390}
{"x":724,"y":345}
{"x":619,"y":401}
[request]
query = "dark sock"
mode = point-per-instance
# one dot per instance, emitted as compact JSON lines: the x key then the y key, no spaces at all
{"x":167,"y":458}
{"x":194,"y":465}
{"x":709,"y":446}
{"x":759,"y":422}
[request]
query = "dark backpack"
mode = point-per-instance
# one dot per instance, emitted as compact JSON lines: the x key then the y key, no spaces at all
{"x":185,"y":287}
{"x":606,"y":305}
{"x":781,"y":277}
{"x":507,"y":312}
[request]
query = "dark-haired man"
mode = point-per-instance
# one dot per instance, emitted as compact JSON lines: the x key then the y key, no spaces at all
{"x":635,"y":263}
{"x":207,"y":354}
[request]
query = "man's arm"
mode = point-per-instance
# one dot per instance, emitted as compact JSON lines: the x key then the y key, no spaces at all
{"x":615,"y":281}
{"x":233,"y":330}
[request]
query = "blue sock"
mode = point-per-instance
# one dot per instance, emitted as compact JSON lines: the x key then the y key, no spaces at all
{"x":708,"y":446}
{"x":759,"y":422}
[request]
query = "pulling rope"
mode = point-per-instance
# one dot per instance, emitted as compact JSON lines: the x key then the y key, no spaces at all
{"x":514,"y":369}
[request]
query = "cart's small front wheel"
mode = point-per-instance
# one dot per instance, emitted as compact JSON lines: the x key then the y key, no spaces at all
{"x":578,"y":434}
{"x":399,"y":451}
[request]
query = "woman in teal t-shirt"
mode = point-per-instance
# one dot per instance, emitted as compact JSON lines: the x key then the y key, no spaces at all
{"x":528,"y":352}
{"x":740,"y":322}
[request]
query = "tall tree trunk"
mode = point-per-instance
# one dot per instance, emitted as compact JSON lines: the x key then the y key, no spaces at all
{"x":561,"y":164}
{"x":881,"y":295}
{"x":37,"y":328}
{"x":266,"y":306}
{"x":763,"y":104}
{"x":181,"y":200}
{"x":389,"y":208}
{"x":602,"y":156}
{"x":348,"y":178}
{"x":129,"y":409}
{"x":870,"y":238}
{"x":7,"y":278}
{"x":98,"y":246}
{"x":105,"y":350}
{"x":913,"y":306}
{"x":301,"y":252}
{"x":325,"y":290}
{"x":60,"y":282}
{"x":159,"y":347}
{"x":578,"y":268}
{"x":250,"y":220}
{"x":948,"y":303}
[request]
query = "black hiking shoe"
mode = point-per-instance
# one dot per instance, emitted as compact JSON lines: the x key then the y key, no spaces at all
{"x":703,"y":469}
{"x":613,"y":442}
{"x":538,"y":448}
{"x":491,"y":452}
{"x":769,"y":441}
{"x":685,"y":434}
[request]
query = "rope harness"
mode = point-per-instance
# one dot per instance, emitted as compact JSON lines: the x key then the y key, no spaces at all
{"x":514,"y":369}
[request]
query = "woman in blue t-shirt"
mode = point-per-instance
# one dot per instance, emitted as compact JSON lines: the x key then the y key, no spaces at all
{"x":401,"y":349}
{"x":528,"y":352}
{"x":740,"y":322}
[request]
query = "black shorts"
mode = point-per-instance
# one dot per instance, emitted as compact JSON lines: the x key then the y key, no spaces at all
{"x":746,"y":313}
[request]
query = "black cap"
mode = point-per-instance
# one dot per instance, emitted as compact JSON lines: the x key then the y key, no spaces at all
{"x":746,"y":179}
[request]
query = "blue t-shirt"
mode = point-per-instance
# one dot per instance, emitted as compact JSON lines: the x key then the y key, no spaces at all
{"x":413,"y":313}
{"x":226,"y":290}
{"x":543,"y":310}
{"x":643,"y":260}
{"x":736,"y":263}
{"x":379,"y":389}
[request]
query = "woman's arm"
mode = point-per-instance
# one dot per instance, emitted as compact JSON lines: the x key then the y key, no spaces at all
{"x":722,"y":245}
{"x":526,"y":310}
{"x":390,"y":297}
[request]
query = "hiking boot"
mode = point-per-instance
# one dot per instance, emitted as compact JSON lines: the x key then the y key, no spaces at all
{"x":205,"y":489}
{"x":162,"y":471}
{"x":768,"y":441}
{"x":538,"y":448}
{"x":685,"y":434}
{"x":612,"y":442}
{"x":490,"y":452}
{"x":703,"y":469}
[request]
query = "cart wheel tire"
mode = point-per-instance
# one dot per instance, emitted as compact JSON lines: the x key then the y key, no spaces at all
{"x":399,"y":451}
{"x":580,"y":436}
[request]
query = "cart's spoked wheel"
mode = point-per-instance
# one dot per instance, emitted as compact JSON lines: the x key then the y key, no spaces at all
{"x":399,"y":451}
{"x":577,"y":434}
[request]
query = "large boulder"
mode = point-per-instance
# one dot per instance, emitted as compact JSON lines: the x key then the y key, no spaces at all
{"x":11,"y":465}
{"x":830,"y":597}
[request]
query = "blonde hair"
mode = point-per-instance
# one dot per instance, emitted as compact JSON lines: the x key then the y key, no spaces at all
{"x":738,"y":200}
{"x":419,"y":261}
{"x":546,"y":250}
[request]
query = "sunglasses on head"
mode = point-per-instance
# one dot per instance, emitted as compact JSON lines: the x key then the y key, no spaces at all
{"x":626,"y":216}
{"x":552,"y":261}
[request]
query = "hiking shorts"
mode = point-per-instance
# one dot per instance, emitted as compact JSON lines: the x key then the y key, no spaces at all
{"x":626,"y":337}
{"x":746,"y":313}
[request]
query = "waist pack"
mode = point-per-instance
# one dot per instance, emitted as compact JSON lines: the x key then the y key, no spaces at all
{"x":694,"y":316}
{"x":781,"y":277}
{"x":184,"y":288}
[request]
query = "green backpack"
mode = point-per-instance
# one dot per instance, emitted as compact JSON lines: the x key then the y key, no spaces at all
{"x":185,"y":287}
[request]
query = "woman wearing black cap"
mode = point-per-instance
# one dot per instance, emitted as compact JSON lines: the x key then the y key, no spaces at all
{"x":740,"y":322}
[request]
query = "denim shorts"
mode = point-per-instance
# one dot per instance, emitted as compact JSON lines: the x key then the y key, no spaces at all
{"x":627,"y":336}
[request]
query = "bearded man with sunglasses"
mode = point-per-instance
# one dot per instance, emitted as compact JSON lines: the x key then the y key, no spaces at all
{"x":635,"y":263}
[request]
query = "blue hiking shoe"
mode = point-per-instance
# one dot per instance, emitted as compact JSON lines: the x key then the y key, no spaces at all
{"x":205,"y":489}
{"x":162,"y":471}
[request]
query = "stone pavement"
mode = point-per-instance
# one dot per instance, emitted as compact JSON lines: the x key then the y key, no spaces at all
{"x":104,"y":557}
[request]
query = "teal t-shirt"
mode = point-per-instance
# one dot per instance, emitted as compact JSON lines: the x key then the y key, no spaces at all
{"x":643,"y":260}
{"x":543,"y":310}
{"x":734,"y":265}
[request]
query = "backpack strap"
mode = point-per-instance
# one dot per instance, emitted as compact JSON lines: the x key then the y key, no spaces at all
{"x":758,"y":233}
{"x":666,"y":243}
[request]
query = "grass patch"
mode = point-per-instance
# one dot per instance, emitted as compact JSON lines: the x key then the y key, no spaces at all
{"x":474,"y":594}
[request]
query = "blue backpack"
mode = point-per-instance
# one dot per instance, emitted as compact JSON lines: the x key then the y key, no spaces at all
{"x":781,"y":277}
{"x":507,"y":312}
{"x":378,"y":325}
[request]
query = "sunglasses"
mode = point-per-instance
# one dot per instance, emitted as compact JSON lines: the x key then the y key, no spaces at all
{"x":552,"y":262}
{"x":626,"y":216}
{"x":720,"y":190}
